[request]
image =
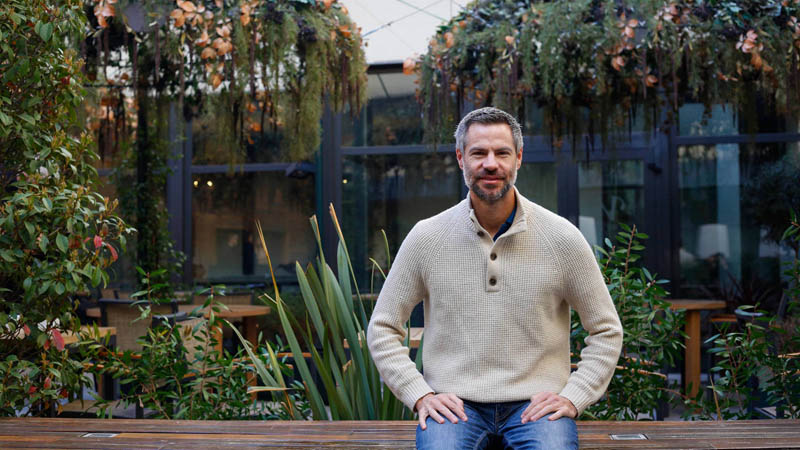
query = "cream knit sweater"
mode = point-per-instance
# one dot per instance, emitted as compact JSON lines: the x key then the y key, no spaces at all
{"x":497,"y":313}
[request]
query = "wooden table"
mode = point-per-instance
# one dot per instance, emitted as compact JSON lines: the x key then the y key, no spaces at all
{"x":248,"y":313}
{"x":87,"y":330}
{"x":181,"y":434}
{"x":691,"y":362}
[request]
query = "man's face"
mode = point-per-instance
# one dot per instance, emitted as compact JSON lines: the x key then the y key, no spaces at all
{"x":489,"y":161}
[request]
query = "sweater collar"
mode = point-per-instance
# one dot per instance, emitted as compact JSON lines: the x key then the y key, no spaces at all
{"x":519,"y":225}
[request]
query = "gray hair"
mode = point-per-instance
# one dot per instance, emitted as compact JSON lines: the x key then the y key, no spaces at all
{"x":488,"y":115}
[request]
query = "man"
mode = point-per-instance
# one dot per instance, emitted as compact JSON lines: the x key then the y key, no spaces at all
{"x":498,"y":275}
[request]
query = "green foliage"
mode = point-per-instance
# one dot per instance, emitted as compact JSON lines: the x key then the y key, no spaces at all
{"x":591,"y":64}
{"x":180,"y":374}
{"x":651,"y":331}
{"x":758,"y":363}
{"x":57,"y":236}
{"x":335,"y":314}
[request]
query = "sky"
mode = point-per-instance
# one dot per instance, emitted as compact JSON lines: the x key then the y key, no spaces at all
{"x":397,"y":29}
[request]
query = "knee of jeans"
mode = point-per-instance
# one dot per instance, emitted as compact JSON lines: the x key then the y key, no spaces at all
{"x":561,"y":433}
{"x":446,"y":435}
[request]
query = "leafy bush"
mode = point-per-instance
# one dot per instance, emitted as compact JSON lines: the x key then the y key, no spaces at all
{"x":651,"y":332}
{"x":180,"y":374}
{"x":57,"y":236}
{"x":758,"y":364}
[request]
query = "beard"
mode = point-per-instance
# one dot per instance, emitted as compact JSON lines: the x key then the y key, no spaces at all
{"x":472,"y":181}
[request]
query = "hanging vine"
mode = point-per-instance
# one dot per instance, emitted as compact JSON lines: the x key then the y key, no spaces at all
{"x":255,"y":72}
{"x":591,"y":65}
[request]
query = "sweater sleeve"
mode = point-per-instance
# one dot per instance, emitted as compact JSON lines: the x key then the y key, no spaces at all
{"x":403,"y":289}
{"x":586,"y":292}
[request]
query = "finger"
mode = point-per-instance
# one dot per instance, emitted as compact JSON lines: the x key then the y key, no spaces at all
{"x":557,"y":415}
{"x":546,"y":409}
{"x":435,"y":416}
{"x":536,"y":410}
{"x":456,"y":406}
{"x":423,"y":415}
{"x":444,"y":410}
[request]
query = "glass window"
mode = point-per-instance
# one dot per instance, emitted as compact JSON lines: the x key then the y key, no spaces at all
{"x":226,"y":247}
{"x":610,"y":192}
{"x":392,"y":193}
{"x":735,"y":200}
{"x":727,"y":120}
{"x":391,"y":117}
{"x":538,"y":183}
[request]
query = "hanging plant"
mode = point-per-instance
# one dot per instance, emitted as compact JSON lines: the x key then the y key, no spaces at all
{"x":592,"y":65}
{"x":255,"y":73}
{"x":268,"y":64}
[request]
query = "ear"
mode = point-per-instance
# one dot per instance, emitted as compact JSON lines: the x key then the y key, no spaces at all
{"x":519,"y":157}
{"x":460,"y":158}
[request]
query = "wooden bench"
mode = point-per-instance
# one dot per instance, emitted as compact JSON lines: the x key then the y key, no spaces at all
{"x":65,"y":433}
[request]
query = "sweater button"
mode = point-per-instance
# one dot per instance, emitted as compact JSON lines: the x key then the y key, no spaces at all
{"x":480,"y":233}
{"x":493,"y":256}
{"x":493,"y":281}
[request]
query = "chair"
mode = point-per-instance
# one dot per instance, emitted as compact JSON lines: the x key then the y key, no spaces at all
{"x":122,"y":314}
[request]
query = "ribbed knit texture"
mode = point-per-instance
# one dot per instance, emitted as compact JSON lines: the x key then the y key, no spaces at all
{"x":501,"y":341}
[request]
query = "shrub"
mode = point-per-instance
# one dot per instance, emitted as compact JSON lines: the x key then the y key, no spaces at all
{"x":57,"y":236}
{"x":651,"y":330}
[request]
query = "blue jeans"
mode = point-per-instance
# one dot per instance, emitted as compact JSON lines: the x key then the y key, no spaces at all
{"x":499,"y":424}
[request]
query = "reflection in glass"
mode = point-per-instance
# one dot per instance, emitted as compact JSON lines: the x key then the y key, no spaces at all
{"x":225,"y":207}
{"x":392,"y":193}
{"x":728,"y":120}
{"x":392,"y":114}
{"x":216,"y":136}
{"x":538,"y":183}
{"x":611,"y":192}
{"x":735,"y":200}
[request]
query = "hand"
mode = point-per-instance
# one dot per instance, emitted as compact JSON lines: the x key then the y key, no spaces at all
{"x":438,"y":405}
{"x":544,"y":403}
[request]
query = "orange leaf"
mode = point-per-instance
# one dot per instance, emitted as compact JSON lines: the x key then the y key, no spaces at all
{"x":224,"y":31}
{"x":651,"y":80}
{"x":345,"y":30}
{"x":245,"y":18}
{"x":187,"y":6}
{"x":756,"y":61}
{"x":629,"y":32}
{"x":218,"y":42}
{"x":180,"y":21}
{"x":327,"y":3}
{"x":216,"y":80}
{"x":449,"y":39}
{"x":255,"y":127}
{"x":251,"y":107}
{"x":510,"y":40}
{"x":176,"y":14}
{"x":618,"y":63}
{"x":208,"y":52}
{"x":203,"y":40}
{"x":409,"y":66}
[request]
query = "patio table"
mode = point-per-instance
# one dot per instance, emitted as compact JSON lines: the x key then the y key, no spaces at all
{"x":691,"y":361}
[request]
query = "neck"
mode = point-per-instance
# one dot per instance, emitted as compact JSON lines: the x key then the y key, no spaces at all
{"x":492,"y":215}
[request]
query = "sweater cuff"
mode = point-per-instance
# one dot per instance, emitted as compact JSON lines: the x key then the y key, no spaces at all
{"x":578,"y":397}
{"x":414,"y":391}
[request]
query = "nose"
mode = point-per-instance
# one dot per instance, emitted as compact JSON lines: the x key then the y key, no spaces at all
{"x":490,"y":163}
